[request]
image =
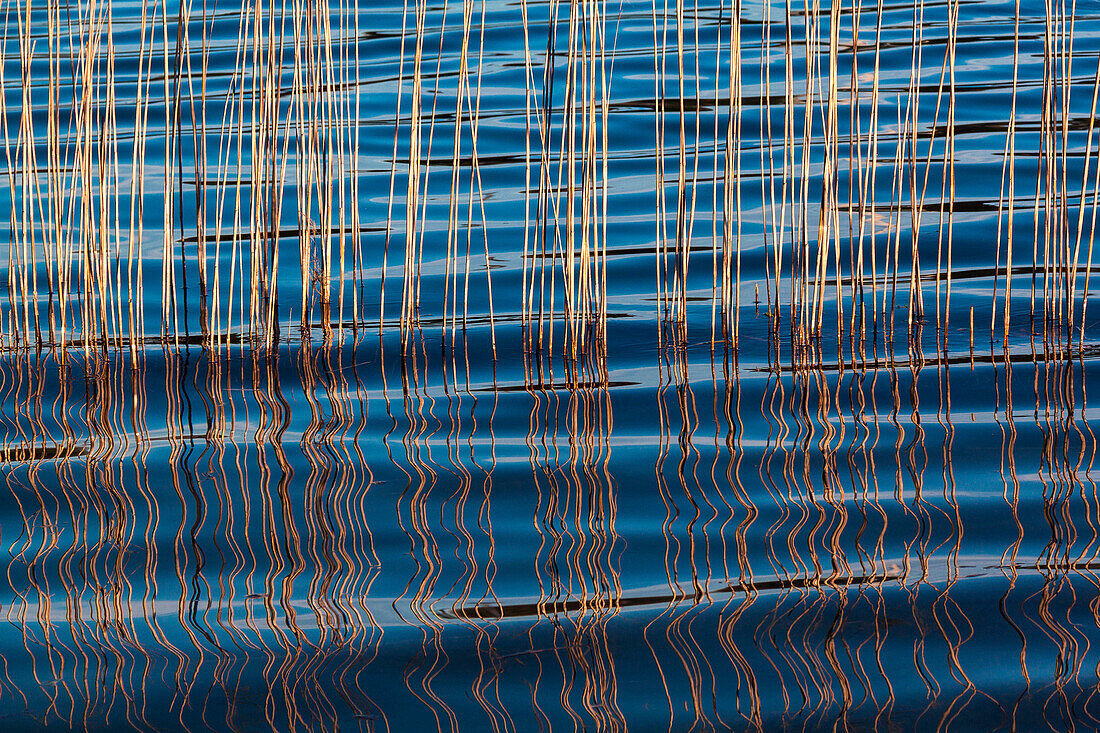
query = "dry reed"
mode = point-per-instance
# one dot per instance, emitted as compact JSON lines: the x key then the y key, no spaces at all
{"x":260,"y":173}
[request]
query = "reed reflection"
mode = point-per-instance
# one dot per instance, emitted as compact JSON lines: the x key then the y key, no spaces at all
{"x":256,"y":555}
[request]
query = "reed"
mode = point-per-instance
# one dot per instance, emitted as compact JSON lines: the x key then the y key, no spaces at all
{"x":205,"y":224}
{"x":260,"y":172}
{"x":204,"y":228}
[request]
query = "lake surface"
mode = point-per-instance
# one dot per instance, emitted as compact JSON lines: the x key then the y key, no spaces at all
{"x":534,"y":366}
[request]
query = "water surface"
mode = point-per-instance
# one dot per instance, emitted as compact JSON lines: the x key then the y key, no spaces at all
{"x":297,"y":513}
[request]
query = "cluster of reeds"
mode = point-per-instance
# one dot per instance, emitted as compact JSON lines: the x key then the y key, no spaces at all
{"x":227,"y":164}
{"x":110,"y":172}
{"x":567,"y":228}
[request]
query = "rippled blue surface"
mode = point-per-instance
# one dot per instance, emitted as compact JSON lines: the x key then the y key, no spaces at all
{"x":666,"y":534}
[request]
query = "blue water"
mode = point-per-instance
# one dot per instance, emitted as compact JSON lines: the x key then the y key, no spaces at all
{"x":447,"y":527}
